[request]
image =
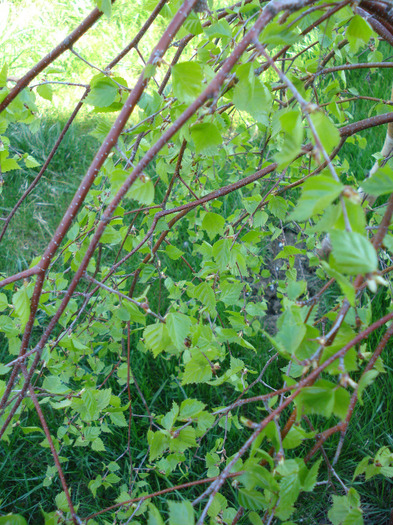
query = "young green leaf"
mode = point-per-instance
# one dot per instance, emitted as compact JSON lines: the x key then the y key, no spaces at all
{"x":181,"y":513}
{"x":187,"y":80}
{"x":206,"y":138}
{"x":352,"y":253}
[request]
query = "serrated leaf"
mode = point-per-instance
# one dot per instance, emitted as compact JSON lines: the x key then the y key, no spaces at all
{"x":327,"y":132}
{"x":352,"y":253}
{"x":61,"y":502}
{"x":170,"y":417}
{"x":30,"y":162}
{"x":318,"y":399}
{"x":311,"y":478}
{"x":98,"y":445}
{"x":221,"y":253}
{"x":381,"y":183}
{"x":187,"y":80}
{"x":158,"y":443}
{"x":21,"y":302}
{"x":358,"y":32}
{"x":118,"y":419}
{"x":190,"y":408}
{"x":103,"y":92}
{"x":277,"y":34}
{"x":206,"y":138}
{"x":3,"y":302}
{"x":346,"y":510}
{"x":366,"y":379}
{"x":181,"y":513}
{"x":178,"y":328}
{"x":292,"y":127}
{"x":230,"y":292}
{"x":250,"y":95}
{"x":213,"y":224}
{"x":198,"y":370}
{"x":278,"y":207}
{"x":173,"y":252}
{"x":154,"y":516}
{"x":318,"y":193}
{"x":143,"y":190}
{"x":205,"y":294}
{"x":156,"y":338}
{"x":252,"y":499}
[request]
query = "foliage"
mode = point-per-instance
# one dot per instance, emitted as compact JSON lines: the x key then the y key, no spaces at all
{"x":141,"y":343}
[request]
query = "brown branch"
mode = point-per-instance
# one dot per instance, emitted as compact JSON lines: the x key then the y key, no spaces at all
{"x":159,"y":493}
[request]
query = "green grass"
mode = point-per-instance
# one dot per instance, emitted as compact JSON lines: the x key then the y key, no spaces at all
{"x":37,"y":218}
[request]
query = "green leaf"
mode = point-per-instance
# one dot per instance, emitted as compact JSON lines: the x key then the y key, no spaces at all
{"x":187,"y":80}
{"x":173,"y":252}
{"x":181,"y":513}
{"x":346,"y":510}
{"x":292,"y":127}
{"x":358,"y":32}
{"x":317,"y":399}
{"x":366,"y":380}
{"x":213,"y":224}
{"x":21,"y":302}
{"x":252,"y":499}
{"x":103,"y":92}
{"x":3,"y":75}
{"x":318,"y":193}
{"x":105,"y":6}
{"x":308,"y":483}
{"x":143,"y":190}
{"x":205,"y":294}
{"x":381,"y":183}
{"x":277,"y":34}
{"x":178,"y":328}
{"x":230,"y":292}
{"x":111,"y":236}
{"x":345,"y":284}
{"x":30,"y":162}
{"x":291,"y":330}
{"x":255,"y":519}
{"x":3,"y":302}
{"x":352,"y":253}
{"x":118,"y":419}
{"x":190,"y":408}
{"x":98,"y":445}
{"x":327,"y":132}
{"x":12,"y":519}
{"x":45,"y":91}
{"x":278,"y":207}
{"x":54,"y":385}
{"x":154,"y":516}
{"x":90,"y":403}
{"x":250,"y":95}
{"x":170,"y":417}
{"x":221,"y":253}
{"x":198,"y":370}
{"x":61,"y":502}
{"x":158,"y":443}
{"x":206,"y":138}
{"x":156,"y":338}
{"x":219,"y":29}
